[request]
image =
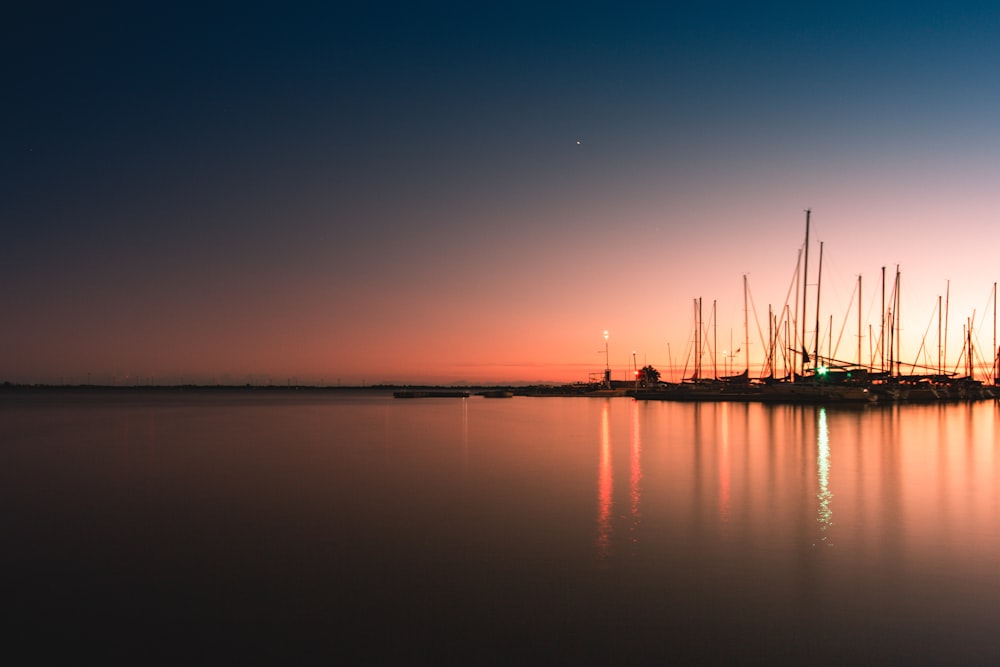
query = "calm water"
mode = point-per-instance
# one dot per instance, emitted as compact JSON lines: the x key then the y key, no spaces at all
{"x":278,"y":527}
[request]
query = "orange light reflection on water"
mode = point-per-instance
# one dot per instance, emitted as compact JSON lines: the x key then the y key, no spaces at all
{"x":605,"y":486}
{"x":724,"y":465}
{"x":635,"y":472}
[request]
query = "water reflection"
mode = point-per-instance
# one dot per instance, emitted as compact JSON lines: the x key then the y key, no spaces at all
{"x":635,"y":472}
{"x":221,"y":510}
{"x":465,"y":436}
{"x":628,"y":524}
{"x":825,"y":514}
{"x":725,"y":480}
{"x":605,"y":486}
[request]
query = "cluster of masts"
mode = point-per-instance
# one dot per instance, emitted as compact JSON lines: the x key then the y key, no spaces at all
{"x":791,"y":371}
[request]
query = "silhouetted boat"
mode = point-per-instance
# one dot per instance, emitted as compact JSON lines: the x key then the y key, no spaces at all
{"x":497,"y":393}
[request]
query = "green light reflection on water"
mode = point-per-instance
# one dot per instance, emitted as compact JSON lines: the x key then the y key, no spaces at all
{"x":824,"y":512}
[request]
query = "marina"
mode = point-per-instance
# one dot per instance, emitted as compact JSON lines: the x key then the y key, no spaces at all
{"x":795,"y":369}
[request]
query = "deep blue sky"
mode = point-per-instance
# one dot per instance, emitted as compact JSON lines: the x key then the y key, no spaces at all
{"x":270,"y":190}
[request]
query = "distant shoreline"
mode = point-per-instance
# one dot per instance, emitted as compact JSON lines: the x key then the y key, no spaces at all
{"x":96,"y":391}
{"x":12,"y":387}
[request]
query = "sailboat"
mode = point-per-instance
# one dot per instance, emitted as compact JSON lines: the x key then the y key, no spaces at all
{"x":816,"y":384}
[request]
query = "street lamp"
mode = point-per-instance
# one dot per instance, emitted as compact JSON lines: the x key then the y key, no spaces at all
{"x":607,"y":361}
{"x":607,"y":365}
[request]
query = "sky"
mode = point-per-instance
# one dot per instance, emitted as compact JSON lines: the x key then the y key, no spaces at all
{"x":363,"y":193}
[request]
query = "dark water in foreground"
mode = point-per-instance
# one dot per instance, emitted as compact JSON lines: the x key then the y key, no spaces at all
{"x":148,"y":527}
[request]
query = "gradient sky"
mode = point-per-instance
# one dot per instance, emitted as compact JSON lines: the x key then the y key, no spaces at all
{"x":446,"y":192}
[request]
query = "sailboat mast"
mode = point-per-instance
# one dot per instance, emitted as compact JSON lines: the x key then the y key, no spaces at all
{"x":697,"y":338}
{"x":968,"y":350}
{"x":947,"y":299}
{"x":882,"y":330}
{"x":805,"y":282}
{"x":770,"y":340}
{"x":715,"y":342}
{"x":729,"y":371}
{"x":891,"y":327}
{"x":859,"y":320}
{"x":899,"y":329}
{"x":788,"y":339}
{"x":819,"y":279}
{"x":964,"y":345}
{"x":746,"y":326}
{"x":939,"y":364}
{"x":996,"y":352}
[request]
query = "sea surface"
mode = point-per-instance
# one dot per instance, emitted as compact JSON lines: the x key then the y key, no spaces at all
{"x":286,"y":527}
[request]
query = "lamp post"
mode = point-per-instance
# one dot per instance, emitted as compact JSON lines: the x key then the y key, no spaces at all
{"x":607,"y":362}
{"x":635,"y":370}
